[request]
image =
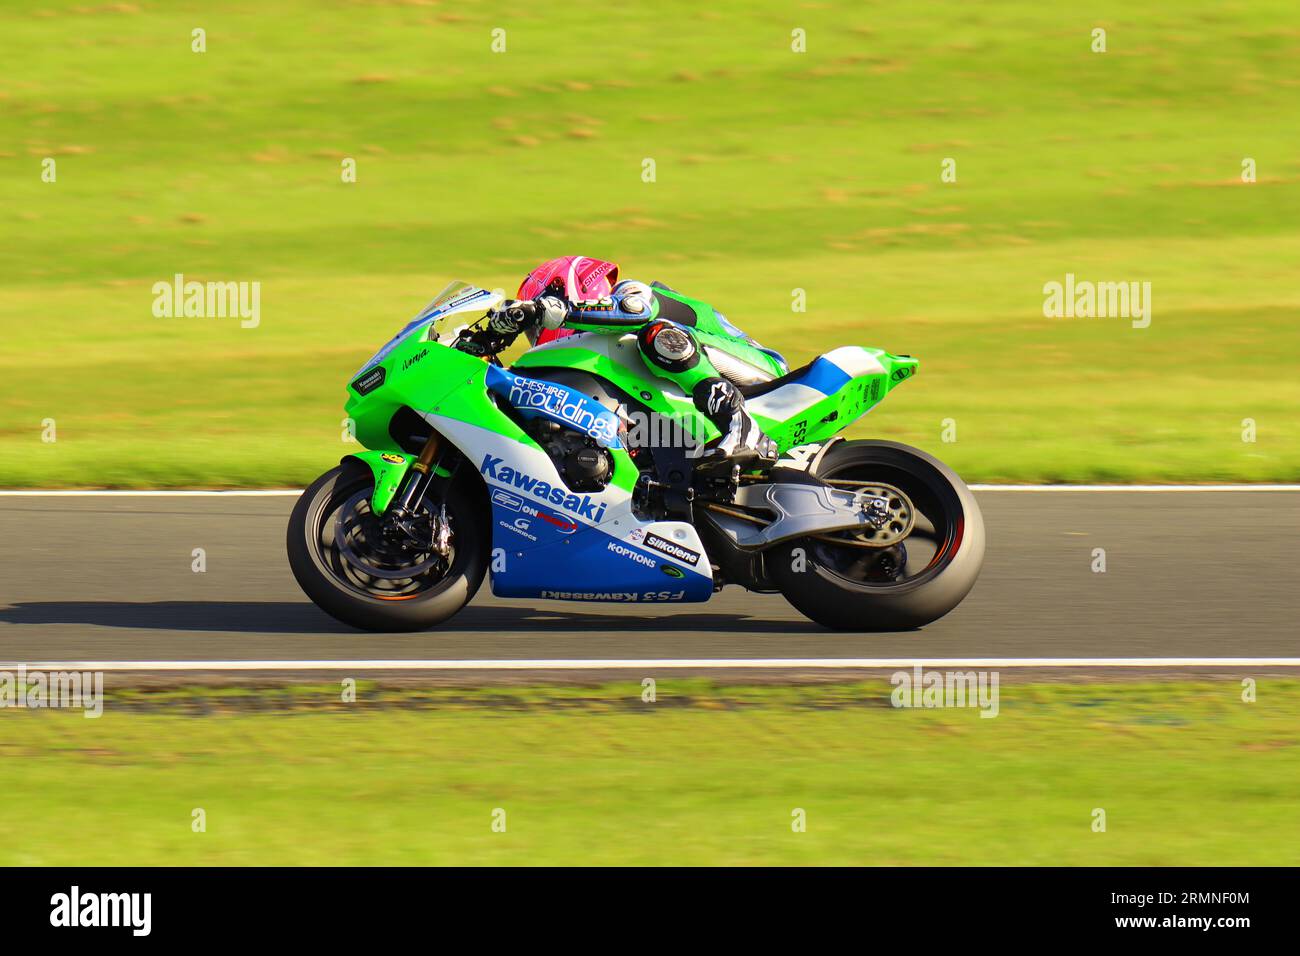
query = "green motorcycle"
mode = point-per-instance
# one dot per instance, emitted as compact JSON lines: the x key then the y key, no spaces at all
{"x":572,"y":475}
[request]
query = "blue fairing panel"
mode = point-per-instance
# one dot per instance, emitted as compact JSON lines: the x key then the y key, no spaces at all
{"x":544,"y":554}
{"x":534,"y":398}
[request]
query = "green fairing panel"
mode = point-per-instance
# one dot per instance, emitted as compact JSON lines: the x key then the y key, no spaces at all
{"x":418,"y":374}
{"x":836,"y":412}
{"x":428,"y":377}
{"x":387,"y":468}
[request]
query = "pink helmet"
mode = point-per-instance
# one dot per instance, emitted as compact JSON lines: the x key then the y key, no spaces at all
{"x":576,"y":278}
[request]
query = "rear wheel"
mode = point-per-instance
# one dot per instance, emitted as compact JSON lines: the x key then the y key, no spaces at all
{"x":915,"y":569}
{"x":380,"y":578}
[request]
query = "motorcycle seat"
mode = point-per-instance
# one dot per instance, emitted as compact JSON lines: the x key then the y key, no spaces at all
{"x":803,"y":387}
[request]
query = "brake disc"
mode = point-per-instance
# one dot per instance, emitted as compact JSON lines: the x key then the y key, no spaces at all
{"x":361,"y":542}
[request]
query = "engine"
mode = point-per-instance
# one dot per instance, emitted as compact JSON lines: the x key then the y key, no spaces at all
{"x":584,"y":465}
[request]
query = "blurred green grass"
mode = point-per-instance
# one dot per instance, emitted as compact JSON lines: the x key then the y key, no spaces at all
{"x":775,"y":171}
{"x":707,"y":775}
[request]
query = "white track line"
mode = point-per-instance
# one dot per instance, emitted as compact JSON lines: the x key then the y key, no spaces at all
{"x":768,"y":663}
{"x":978,"y":487}
{"x":287,"y":492}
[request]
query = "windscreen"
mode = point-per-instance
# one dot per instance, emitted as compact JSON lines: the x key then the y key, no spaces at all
{"x":458,"y":299}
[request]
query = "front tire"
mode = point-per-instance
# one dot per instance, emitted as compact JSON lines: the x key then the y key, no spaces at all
{"x":837,"y":582}
{"x":370,"y":592}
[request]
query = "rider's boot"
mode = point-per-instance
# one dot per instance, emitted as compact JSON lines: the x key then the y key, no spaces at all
{"x":742,"y":441}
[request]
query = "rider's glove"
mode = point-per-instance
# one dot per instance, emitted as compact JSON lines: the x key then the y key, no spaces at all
{"x":516,"y":315}
{"x":512,"y":317}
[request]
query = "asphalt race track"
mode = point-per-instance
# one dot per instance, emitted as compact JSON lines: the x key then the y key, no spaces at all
{"x":1189,"y":574}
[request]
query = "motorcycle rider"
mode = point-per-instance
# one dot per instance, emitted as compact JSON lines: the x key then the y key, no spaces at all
{"x":581,"y":294}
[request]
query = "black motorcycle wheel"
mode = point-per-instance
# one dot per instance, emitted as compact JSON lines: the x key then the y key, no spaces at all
{"x":362,"y":578}
{"x":837,"y":582}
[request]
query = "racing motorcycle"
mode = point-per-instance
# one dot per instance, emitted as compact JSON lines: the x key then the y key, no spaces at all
{"x":575,"y":474}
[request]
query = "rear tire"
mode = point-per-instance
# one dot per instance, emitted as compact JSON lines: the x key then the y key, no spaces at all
{"x":428,"y":600}
{"x":837,"y":585}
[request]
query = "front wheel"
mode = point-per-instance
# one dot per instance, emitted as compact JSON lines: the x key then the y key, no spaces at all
{"x":363,"y":574}
{"x":913,"y":570}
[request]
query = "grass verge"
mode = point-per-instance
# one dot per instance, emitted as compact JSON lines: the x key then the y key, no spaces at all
{"x":1186,"y":773}
{"x":779,"y":176}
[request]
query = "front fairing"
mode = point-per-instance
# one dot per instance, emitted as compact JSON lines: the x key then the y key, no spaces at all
{"x":417,"y":368}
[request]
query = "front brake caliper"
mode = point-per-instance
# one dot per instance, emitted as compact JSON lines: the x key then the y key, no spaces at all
{"x":442,"y":533}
